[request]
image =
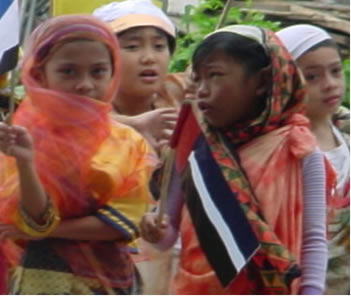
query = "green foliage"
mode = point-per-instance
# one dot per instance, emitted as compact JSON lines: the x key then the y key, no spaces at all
{"x":202,"y":20}
{"x":346,"y":102}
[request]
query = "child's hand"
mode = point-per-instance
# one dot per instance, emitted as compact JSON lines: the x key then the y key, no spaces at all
{"x":16,"y":141}
{"x":157,"y":125}
{"x":150,"y":228}
{"x":8,"y":231}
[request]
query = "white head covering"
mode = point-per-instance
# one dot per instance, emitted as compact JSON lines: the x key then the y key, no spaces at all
{"x":300,"y":38}
{"x":128,"y":14}
{"x":247,"y":31}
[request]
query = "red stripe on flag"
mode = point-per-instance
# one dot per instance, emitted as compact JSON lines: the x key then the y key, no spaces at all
{"x":185,"y":134}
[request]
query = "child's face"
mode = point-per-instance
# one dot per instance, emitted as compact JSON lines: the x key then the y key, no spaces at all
{"x":79,"y":67}
{"x":225,"y":93}
{"x":323,"y":71}
{"x":144,"y":56}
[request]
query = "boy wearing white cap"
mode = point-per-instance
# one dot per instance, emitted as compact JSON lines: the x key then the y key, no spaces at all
{"x":149,"y":97}
{"x":317,"y":56}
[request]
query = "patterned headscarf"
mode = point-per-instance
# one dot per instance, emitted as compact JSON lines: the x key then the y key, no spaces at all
{"x":285,"y":98}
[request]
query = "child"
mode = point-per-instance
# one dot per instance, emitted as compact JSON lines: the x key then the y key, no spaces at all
{"x":148,"y":98}
{"x":73,"y":184}
{"x":317,"y":56}
{"x":250,"y":212}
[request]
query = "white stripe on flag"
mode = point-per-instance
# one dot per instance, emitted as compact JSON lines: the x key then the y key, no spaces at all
{"x":9,"y":28}
{"x":223,"y":230}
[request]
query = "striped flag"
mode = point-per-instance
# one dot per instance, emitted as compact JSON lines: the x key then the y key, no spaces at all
{"x":9,"y":34}
{"x":222,"y":228}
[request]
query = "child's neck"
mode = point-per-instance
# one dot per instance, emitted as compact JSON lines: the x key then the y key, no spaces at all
{"x":132,"y":106}
{"x":322,"y":129}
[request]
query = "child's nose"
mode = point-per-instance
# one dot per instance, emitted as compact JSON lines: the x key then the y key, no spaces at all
{"x":331,"y":81}
{"x":202,"y":90}
{"x":85,"y":85}
{"x":148,"y":56}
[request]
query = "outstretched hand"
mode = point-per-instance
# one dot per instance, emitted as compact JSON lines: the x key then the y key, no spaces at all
{"x":157,"y":126}
{"x":151,"y":229}
{"x":16,"y":141}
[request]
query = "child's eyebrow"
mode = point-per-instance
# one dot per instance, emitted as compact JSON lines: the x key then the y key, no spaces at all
{"x":212,"y":65}
{"x":131,"y":36}
{"x":318,"y":66}
{"x":139,"y":35}
{"x":64,"y":63}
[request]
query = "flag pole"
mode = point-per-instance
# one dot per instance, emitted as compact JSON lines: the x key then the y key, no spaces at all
{"x":169,"y":160}
{"x":13,"y":73}
{"x":12,"y":97}
{"x":166,"y":177}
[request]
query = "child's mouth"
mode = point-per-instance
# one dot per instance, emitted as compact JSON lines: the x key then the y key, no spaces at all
{"x":204,"y":107}
{"x":149,"y":76}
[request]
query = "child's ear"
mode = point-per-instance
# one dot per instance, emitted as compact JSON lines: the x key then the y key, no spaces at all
{"x":264,"y":77}
{"x":38,"y":75}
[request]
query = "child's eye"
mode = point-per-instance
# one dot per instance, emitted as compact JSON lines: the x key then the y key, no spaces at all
{"x":100,"y":71}
{"x":130,"y":47}
{"x":160,"y":46}
{"x":194,"y":77}
{"x":337,"y":70}
{"x":311,"y":77}
{"x":66,"y":71}
{"x":215,"y":74}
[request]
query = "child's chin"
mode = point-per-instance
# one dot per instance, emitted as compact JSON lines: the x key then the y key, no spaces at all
{"x":214,"y":123}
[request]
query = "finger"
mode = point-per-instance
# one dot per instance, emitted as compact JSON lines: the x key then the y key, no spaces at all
{"x":168,"y":110}
{"x":151,"y":140}
{"x":170,"y":117}
{"x":190,"y":96}
{"x":161,"y":144}
{"x":166,"y":134}
{"x":18,"y":130}
{"x":164,"y":221}
{"x":6,"y":233}
{"x":170,"y":125}
{"x":3,"y":126}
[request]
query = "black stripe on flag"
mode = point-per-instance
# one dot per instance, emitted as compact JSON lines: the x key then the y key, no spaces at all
{"x":9,"y":59}
{"x":223,"y":230}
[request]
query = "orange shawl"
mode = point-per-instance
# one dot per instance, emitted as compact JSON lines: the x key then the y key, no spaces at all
{"x":82,"y":158}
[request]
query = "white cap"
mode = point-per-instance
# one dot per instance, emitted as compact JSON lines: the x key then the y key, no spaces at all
{"x":300,"y":38}
{"x":124,"y":15}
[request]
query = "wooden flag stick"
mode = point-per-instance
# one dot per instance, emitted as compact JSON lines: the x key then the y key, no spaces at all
{"x":12,"y":98}
{"x":169,"y":160}
{"x":166,"y":177}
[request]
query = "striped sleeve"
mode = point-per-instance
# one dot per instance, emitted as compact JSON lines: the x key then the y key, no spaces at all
{"x":124,"y":214}
{"x":314,"y":245}
{"x":126,"y":175}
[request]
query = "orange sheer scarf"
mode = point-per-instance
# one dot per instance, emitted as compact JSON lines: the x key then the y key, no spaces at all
{"x":83,"y":159}
{"x":67,"y":129}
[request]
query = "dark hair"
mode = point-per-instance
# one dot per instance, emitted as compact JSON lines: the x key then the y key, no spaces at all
{"x":246,"y":51}
{"x":170,"y":39}
{"x":325,"y":43}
